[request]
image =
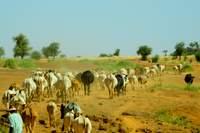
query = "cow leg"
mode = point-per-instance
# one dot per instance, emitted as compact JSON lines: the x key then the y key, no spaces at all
{"x":88,"y":90}
{"x":85,"y":89}
{"x":109,"y":92}
{"x":33,"y":121}
{"x":50,"y":120}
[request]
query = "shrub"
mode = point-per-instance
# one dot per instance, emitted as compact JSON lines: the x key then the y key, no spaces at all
{"x":192,"y":88}
{"x":155,"y":59}
{"x":105,"y":55}
{"x":36,"y":55}
{"x":10,"y":63}
{"x":26,"y":63}
{"x":165,"y":116}
{"x":15,"y":63}
{"x":187,"y":67}
{"x":197,"y":56}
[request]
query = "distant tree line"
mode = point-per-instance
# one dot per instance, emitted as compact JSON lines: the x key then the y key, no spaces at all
{"x":116,"y":53}
{"x":181,"y":49}
{"x":22,"y":49}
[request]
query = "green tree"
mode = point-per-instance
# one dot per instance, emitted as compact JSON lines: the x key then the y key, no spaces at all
{"x":22,"y":46}
{"x":2,"y":52}
{"x":54,"y":49}
{"x":179,"y":49}
{"x":36,"y":55}
{"x":51,"y":50}
{"x":144,"y":51}
{"x":194,"y":45}
{"x":117,"y":52}
{"x":193,"y":48}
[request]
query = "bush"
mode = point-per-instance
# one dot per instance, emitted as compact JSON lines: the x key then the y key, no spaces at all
{"x":105,"y":55}
{"x":187,"y":67}
{"x":192,"y":88}
{"x":15,"y":63}
{"x":165,"y":116}
{"x":10,"y":63}
{"x":197,"y":56}
{"x":26,"y":63}
{"x":155,"y":59}
{"x":36,"y":55}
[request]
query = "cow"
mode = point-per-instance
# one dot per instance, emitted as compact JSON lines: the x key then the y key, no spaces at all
{"x":51,"y":109}
{"x":101,"y":79}
{"x":29,"y":117}
{"x":82,"y":124}
{"x":68,"y":113}
{"x":189,"y":78}
{"x":41,"y":84}
{"x":142,"y":79}
{"x":30,"y":88}
{"x":110,"y":83}
{"x":133,"y":80}
{"x":178,"y":68}
{"x":7,"y":96}
{"x":51,"y":79}
{"x":76,"y":86}
{"x":87,"y":78}
{"x":122,"y":81}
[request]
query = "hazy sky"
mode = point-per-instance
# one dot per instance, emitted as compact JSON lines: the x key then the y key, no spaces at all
{"x":91,"y":27}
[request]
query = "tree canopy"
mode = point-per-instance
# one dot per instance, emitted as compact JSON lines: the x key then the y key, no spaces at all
{"x":179,"y":49}
{"x":144,"y":51}
{"x":51,"y":50}
{"x":117,"y":52}
{"x":22,"y":46}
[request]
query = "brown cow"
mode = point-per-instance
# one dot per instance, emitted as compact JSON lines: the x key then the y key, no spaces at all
{"x":29,"y":117}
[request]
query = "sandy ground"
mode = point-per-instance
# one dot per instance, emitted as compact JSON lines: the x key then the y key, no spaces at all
{"x":131,"y":113}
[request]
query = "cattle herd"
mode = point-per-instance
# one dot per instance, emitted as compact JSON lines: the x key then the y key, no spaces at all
{"x":63,"y":87}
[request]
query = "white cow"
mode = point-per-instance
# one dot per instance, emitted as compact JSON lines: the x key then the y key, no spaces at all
{"x":133,"y":80}
{"x":82,"y":124}
{"x":178,"y":68}
{"x":7,"y":96}
{"x":51,"y":79}
{"x":101,"y":79}
{"x":111,"y":83}
{"x":67,"y":84}
{"x":41,"y":84}
{"x":30,"y":88}
{"x":68,"y":120}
